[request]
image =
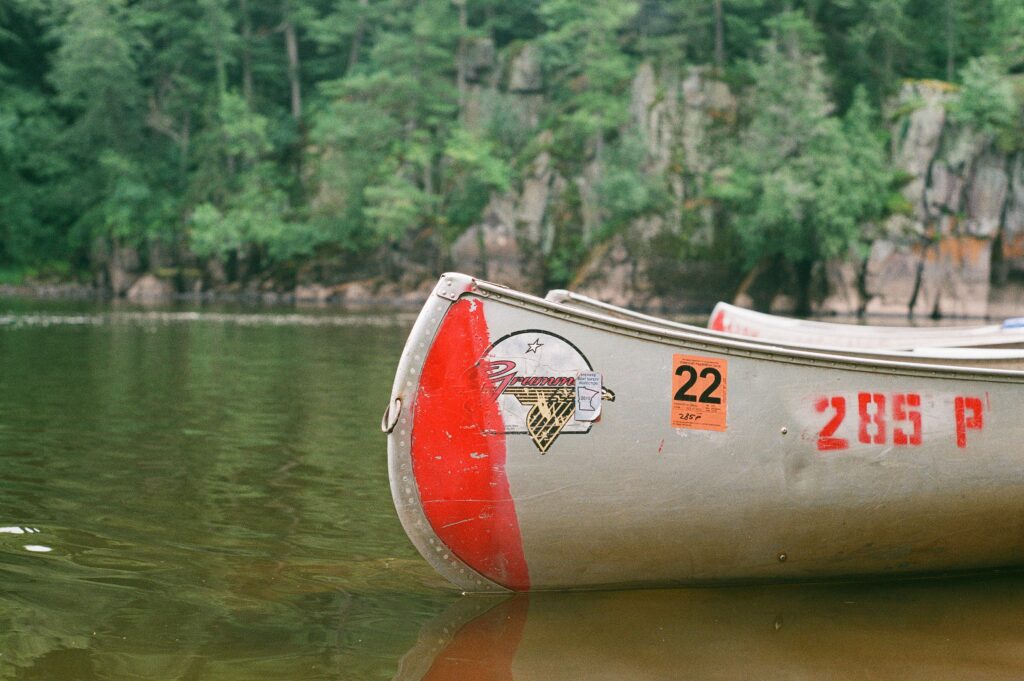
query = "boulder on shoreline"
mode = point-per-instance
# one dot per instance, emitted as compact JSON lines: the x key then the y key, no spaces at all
{"x":149,"y":288}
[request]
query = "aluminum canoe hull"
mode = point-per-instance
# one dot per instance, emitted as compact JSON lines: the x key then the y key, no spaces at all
{"x":743,"y":322}
{"x":769,"y":464}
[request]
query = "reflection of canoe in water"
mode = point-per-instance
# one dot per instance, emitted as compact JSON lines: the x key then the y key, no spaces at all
{"x":534,"y":446}
{"x":931,"y":630}
{"x":1002,"y":351}
{"x":743,"y":322}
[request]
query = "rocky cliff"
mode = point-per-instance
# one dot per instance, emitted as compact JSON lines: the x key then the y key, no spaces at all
{"x":677,"y":116}
{"x":960,"y":249}
{"x":955,"y":249}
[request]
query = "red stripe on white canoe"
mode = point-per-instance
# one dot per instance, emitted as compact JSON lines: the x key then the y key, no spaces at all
{"x":718,"y":321}
{"x":458,"y":452}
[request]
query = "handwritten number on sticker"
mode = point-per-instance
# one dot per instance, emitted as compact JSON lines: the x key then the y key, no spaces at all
{"x":826,"y":441}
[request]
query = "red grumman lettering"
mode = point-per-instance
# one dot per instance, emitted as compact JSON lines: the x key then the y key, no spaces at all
{"x":502,"y":374}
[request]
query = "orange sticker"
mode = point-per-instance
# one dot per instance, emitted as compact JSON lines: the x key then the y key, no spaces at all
{"x":699,"y":395}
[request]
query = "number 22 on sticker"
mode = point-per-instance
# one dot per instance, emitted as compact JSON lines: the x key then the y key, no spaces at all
{"x":699,"y":392}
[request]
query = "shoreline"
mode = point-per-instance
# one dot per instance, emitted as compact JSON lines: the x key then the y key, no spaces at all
{"x":357,"y":296}
{"x":354,"y":296}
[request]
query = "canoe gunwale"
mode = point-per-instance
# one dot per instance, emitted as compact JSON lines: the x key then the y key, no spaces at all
{"x":932,"y":354}
{"x":985,"y":335}
{"x":731,"y":345}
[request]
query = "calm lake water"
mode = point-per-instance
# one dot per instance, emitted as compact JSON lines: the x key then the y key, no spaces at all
{"x":202,"y":494}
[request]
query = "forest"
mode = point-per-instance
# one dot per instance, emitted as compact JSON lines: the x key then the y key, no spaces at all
{"x":270,"y":143}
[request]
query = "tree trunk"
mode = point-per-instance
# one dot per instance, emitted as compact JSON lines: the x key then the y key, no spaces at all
{"x":292,"y":46}
{"x":460,"y":58}
{"x":246,"y":52}
{"x":185,"y":143}
{"x":719,"y":36}
{"x":887,"y":60}
{"x":950,"y":39}
{"x":804,"y":271}
{"x":221,"y":70}
{"x":749,"y":279}
{"x":357,"y":37}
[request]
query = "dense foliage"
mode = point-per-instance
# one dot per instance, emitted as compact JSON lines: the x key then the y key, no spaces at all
{"x":265,"y":134}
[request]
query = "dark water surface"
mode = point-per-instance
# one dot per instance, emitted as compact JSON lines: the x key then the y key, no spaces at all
{"x":194,"y":494}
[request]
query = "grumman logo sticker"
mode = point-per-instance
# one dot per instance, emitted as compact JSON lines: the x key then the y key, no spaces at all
{"x":544,"y":386}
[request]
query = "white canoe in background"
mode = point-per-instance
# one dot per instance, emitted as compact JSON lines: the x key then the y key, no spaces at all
{"x":996,"y":356}
{"x":535,"y":446}
{"x":743,"y":322}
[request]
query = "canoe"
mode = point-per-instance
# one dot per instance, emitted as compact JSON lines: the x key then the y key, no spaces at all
{"x":743,"y":322}
{"x":535,"y":446}
{"x":992,"y":356}
{"x":995,"y":356}
{"x":898,"y":630}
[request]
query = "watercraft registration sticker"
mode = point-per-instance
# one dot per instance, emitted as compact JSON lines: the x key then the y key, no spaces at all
{"x":699,"y":392}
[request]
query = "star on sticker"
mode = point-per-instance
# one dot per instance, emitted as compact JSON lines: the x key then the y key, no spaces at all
{"x":532,"y":347}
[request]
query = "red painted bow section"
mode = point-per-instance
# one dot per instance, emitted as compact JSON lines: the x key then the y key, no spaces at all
{"x":458,"y":452}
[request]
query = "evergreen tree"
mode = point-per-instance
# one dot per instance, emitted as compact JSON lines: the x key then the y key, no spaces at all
{"x":802,"y":180}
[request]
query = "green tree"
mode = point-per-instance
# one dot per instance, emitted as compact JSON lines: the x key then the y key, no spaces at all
{"x":588,"y":71}
{"x":96,"y":78}
{"x":32,"y":222}
{"x":988,"y":102}
{"x":1007,"y":27}
{"x":801,"y":180}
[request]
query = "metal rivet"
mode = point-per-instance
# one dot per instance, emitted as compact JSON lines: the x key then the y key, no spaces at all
{"x":782,"y":557}
{"x":784,"y":430}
